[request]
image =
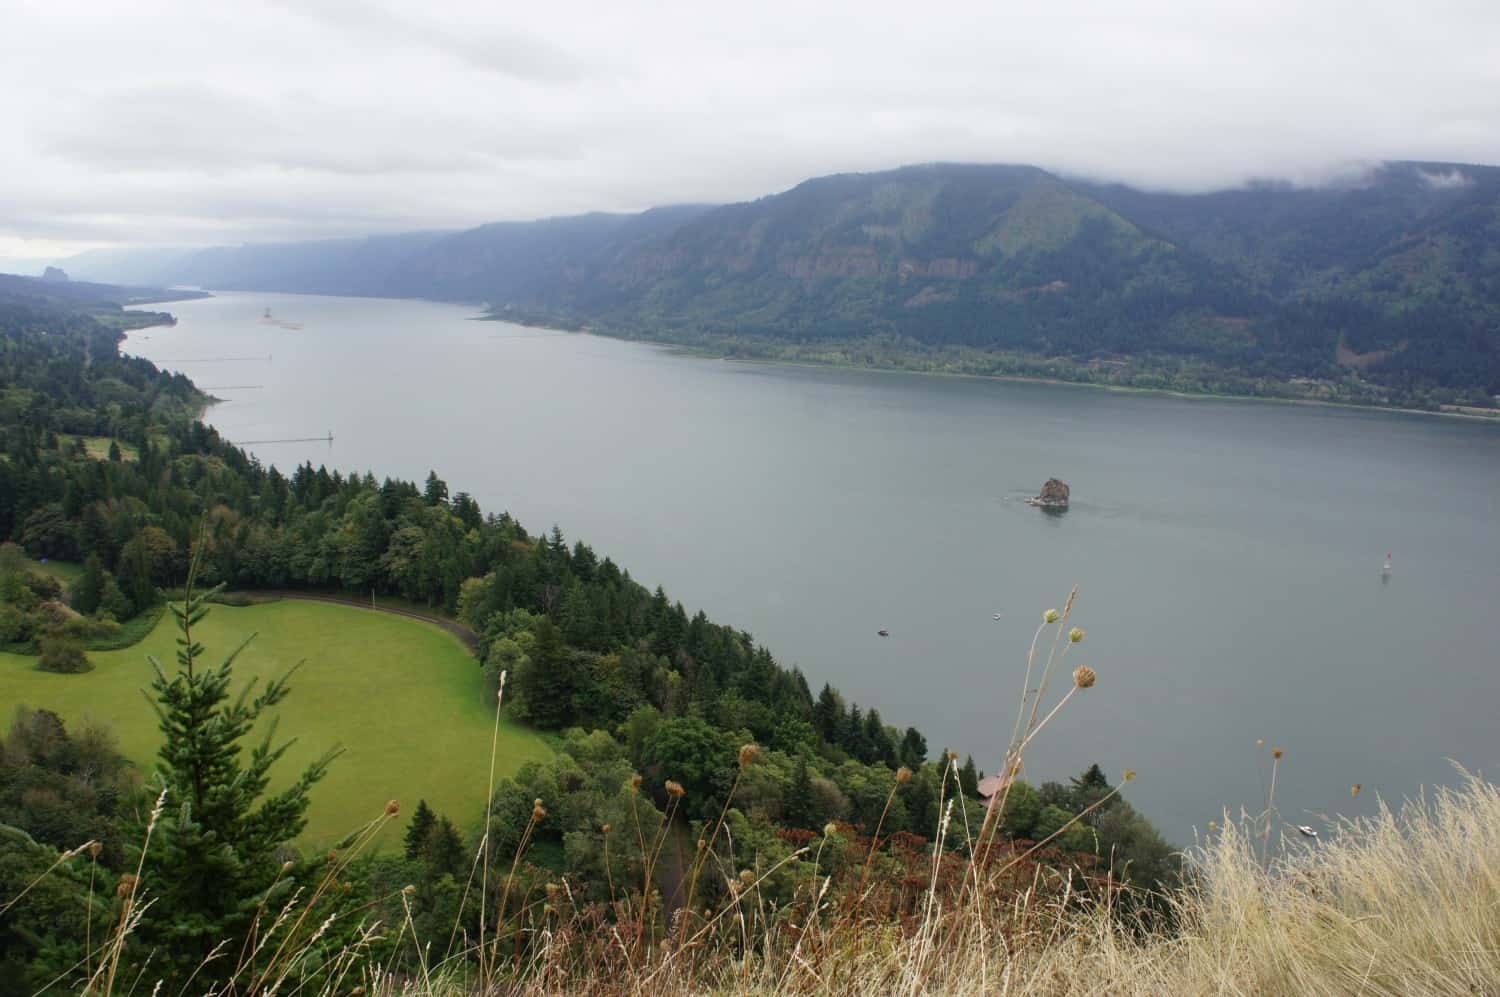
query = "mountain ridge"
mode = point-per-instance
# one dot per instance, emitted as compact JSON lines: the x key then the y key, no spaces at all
{"x":1382,"y":290}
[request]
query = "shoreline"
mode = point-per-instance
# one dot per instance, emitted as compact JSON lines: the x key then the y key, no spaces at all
{"x":537,"y":322}
{"x":1197,"y":396}
{"x":706,"y":354}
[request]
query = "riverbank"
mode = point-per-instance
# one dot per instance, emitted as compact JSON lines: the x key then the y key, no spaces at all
{"x":916,"y":362}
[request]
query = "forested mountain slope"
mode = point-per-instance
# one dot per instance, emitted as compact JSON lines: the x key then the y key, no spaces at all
{"x":1385,"y":288}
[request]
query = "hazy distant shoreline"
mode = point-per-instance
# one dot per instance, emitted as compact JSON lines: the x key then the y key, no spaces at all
{"x":707,"y":353}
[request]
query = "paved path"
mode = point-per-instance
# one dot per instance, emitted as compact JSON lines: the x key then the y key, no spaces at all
{"x":463,"y":633}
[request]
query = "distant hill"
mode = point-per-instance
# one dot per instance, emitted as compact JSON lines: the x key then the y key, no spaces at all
{"x":60,"y":291}
{"x":330,"y":266}
{"x":1383,"y":289}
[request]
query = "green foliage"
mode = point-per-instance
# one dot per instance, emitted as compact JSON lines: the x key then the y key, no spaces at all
{"x":688,"y":751}
{"x":422,"y":820}
{"x":215,"y":860}
{"x":968,"y":777}
{"x":549,"y":680}
{"x":443,"y":850}
{"x":63,"y":788}
{"x":87,"y":593}
{"x":63,"y":654}
{"x":47,"y":934}
{"x":1023,"y":807}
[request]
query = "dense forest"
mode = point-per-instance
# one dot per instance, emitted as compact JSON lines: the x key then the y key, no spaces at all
{"x":668,"y":724}
{"x":1381,"y":289}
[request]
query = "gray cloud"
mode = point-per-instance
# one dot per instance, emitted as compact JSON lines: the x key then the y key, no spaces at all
{"x":1449,"y":180}
{"x":181,"y":128}
{"x":190,"y":123}
{"x":507,"y":52}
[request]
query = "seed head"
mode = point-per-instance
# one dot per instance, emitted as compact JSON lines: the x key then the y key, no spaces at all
{"x":1084,"y":677}
{"x":1129,"y":774}
{"x":1213,"y":825}
{"x":674,"y":789}
{"x":702,"y":844}
{"x":747,"y":877}
{"x":1354,"y":789}
{"x":747,"y":755}
{"x":538,"y":812}
{"x":830,"y":829}
{"x":1075,"y":635}
{"x":286,"y":867}
{"x":903,"y":776}
{"x":537,"y":802}
{"x":605,"y":828}
{"x":635,"y":781}
{"x":952,"y":756}
{"x":333,"y":856}
{"x":1276,"y":753}
{"x":94,"y":849}
{"x":393,"y":808}
{"x":127,"y":885}
{"x":1050,"y":616}
{"x":1260,"y":742}
{"x":408,"y":889}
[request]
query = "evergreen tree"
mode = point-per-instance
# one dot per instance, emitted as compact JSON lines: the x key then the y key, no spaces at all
{"x":214,"y":860}
{"x":877,"y":741}
{"x":113,"y":601}
{"x":853,"y":731}
{"x":1087,"y":789}
{"x":968,"y":777}
{"x":436,"y":490}
{"x":798,"y":811}
{"x":545,"y":686}
{"x":88,"y":591}
{"x":135,"y":575}
{"x":443,"y":849}
{"x":826,"y":714}
{"x":114,"y":452}
{"x":422,"y":820}
{"x":913,"y":748}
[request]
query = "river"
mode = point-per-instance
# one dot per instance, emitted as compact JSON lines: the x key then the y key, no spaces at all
{"x":1228,"y":554}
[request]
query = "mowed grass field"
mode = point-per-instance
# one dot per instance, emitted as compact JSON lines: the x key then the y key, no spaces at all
{"x":401,"y":696}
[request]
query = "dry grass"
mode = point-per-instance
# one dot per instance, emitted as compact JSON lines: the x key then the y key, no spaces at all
{"x":1404,"y":903}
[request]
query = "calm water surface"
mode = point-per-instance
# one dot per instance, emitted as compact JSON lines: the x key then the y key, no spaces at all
{"x":1228,"y":554}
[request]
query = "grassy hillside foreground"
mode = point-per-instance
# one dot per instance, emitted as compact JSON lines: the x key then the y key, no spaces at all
{"x":402,"y":697}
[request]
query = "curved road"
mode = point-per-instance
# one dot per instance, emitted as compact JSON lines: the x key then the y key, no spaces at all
{"x":463,"y":633}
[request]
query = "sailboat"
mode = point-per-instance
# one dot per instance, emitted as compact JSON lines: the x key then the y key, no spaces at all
{"x":1385,"y":569}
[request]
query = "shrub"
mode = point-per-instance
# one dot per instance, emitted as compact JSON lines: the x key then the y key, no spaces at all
{"x":15,"y":625}
{"x":63,"y":654}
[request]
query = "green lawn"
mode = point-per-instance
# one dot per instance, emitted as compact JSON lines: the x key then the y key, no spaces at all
{"x":97,"y":447}
{"x":66,"y":572}
{"x":402,"y":697}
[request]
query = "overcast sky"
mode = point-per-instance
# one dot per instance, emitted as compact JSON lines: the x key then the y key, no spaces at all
{"x":205,"y":122}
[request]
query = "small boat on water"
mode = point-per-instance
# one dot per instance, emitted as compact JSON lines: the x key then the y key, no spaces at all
{"x":1385,"y":569}
{"x":883,"y":633}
